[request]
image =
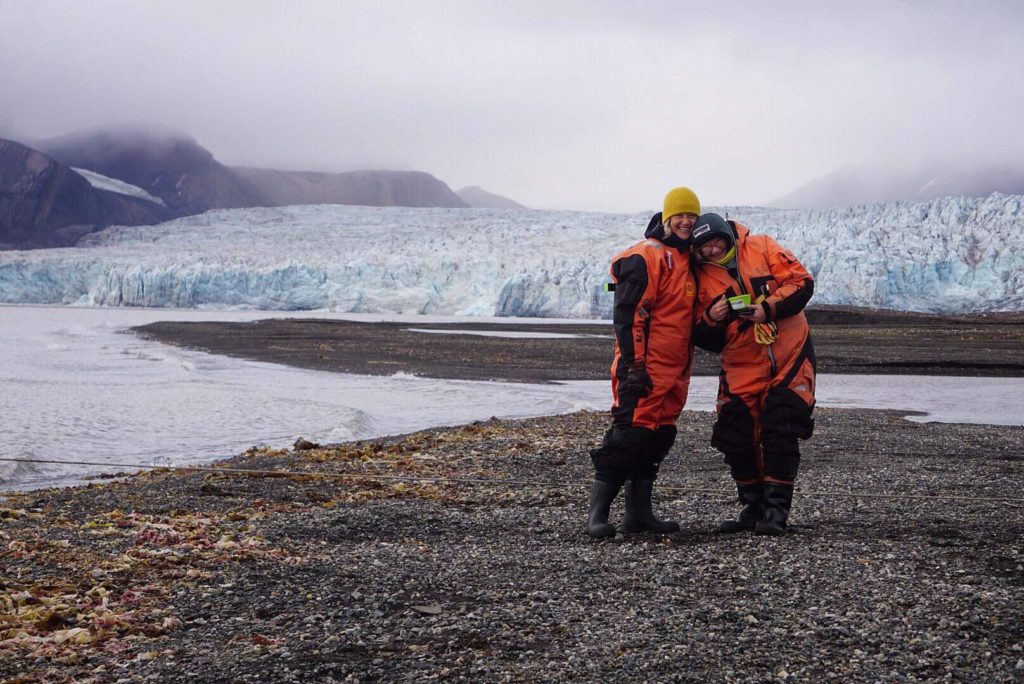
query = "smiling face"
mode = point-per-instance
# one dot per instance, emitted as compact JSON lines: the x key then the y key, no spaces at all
{"x":680,"y":225}
{"x":714,"y":249}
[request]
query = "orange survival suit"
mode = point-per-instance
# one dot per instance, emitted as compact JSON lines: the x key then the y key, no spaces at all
{"x":766,"y":389}
{"x":653,"y":317}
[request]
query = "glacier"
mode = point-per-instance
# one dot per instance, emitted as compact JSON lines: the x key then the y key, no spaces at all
{"x":951,"y":255}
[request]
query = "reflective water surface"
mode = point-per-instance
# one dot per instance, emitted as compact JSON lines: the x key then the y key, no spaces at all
{"x":76,"y":387}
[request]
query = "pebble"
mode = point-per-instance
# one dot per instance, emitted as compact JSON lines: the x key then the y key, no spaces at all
{"x":471,"y":583}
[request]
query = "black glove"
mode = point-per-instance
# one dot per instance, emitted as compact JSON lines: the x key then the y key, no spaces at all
{"x":638,"y":382}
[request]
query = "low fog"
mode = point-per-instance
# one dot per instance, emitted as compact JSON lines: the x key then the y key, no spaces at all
{"x":577,"y":105}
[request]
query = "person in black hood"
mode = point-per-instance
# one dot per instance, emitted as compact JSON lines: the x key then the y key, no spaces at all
{"x":750,"y":310}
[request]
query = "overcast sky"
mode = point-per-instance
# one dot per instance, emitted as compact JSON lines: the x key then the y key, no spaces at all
{"x":591,"y":105}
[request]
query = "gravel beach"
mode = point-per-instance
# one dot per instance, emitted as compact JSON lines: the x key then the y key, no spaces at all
{"x":212,"y":577}
{"x":845,"y":341}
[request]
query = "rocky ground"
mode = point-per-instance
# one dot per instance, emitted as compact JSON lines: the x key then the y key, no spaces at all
{"x":846,"y":341}
{"x":213,"y":577}
{"x":459,"y":554}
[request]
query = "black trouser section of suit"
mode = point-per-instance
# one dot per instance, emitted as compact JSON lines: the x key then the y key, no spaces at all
{"x":646,"y":466}
{"x":733,"y":435}
{"x":620,"y":451}
{"x":784,"y":419}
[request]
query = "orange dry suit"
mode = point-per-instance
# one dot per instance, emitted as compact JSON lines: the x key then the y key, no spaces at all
{"x":653,"y":317}
{"x":766,"y":391}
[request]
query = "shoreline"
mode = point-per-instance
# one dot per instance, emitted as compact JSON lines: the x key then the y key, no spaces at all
{"x":857,"y":344}
{"x":308,"y":578}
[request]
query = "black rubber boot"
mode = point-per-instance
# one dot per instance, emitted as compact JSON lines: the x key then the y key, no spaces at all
{"x":778,"y":499}
{"x":751,"y":496}
{"x":602,"y":494}
{"x":639,"y":513}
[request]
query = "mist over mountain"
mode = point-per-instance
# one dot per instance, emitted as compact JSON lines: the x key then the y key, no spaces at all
{"x":923,"y":182}
{"x":368,"y":188}
{"x":54,"y":191}
{"x":44,"y":203}
{"x":475,"y":196}
{"x":173,"y":167}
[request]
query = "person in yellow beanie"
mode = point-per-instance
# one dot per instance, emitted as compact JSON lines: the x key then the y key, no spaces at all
{"x":682,"y":203}
{"x":653,"y":314}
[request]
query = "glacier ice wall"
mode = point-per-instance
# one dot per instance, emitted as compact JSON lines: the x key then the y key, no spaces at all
{"x":950,"y":255}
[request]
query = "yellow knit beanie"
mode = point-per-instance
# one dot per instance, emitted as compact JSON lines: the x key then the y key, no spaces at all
{"x":679,"y":201}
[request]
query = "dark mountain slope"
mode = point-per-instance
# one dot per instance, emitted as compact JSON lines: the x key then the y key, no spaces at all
{"x":368,"y":188}
{"x":174,"y":168}
{"x":44,"y":203}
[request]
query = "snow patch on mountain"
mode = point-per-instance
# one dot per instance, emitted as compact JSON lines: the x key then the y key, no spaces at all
{"x":101,"y":182}
{"x":951,"y":255}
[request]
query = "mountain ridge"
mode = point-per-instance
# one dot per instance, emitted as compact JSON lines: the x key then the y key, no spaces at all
{"x":44,"y":203}
{"x":475,"y":196}
{"x":365,"y":187}
{"x":180,"y":173}
{"x":175,"y":168}
{"x":864,"y":184}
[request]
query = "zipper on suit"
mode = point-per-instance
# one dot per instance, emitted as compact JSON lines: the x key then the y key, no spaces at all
{"x":743,"y":290}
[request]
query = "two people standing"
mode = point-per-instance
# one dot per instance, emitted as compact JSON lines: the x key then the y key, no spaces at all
{"x":674,"y":290}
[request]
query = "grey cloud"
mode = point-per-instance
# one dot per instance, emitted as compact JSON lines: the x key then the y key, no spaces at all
{"x":588,"y":105}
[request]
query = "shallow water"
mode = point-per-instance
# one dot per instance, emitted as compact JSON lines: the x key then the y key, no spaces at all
{"x":75,"y":387}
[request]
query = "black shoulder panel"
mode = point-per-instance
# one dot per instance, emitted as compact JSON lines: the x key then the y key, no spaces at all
{"x":631,"y":274}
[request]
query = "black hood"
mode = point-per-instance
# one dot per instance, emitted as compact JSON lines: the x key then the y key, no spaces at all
{"x":655,"y":231}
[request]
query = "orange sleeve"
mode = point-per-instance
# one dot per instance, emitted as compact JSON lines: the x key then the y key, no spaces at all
{"x":796,"y":284}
